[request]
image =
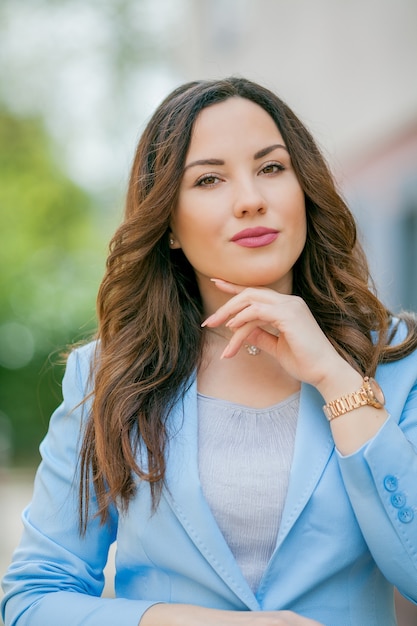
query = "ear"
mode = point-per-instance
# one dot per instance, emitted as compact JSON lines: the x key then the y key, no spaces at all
{"x":173,"y":243}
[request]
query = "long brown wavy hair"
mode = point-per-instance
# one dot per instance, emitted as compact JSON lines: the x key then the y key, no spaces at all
{"x":149,"y":307}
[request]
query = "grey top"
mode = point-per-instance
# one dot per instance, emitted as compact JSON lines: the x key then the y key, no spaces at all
{"x":245,"y":457}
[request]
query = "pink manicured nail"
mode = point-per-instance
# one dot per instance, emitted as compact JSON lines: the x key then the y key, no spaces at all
{"x":206,"y":321}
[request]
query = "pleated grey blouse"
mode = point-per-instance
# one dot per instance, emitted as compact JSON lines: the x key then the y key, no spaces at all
{"x":245,"y":457}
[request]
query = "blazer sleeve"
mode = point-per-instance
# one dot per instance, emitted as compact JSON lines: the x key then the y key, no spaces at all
{"x":56,"y":575}
{"x":381,"y":481}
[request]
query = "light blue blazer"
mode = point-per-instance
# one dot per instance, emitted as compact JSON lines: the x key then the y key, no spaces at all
{"x":348,"y":532}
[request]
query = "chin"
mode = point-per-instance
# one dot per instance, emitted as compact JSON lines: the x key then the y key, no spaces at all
{"x":265,"y":279}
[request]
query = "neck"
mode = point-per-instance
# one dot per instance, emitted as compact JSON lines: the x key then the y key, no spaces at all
{"x":212,"y":299}
{"x":251,"y":349}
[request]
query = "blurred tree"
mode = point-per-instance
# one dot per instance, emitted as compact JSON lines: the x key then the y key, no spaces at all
{"x":50,"y":253}
{"x":93,"y":70}
{"x":76,"y":81}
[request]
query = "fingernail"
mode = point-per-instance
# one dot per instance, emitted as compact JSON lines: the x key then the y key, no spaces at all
{"x":206,"y":321}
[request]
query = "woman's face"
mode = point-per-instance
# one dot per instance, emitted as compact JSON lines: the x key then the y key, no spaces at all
{"x":241,"y":212}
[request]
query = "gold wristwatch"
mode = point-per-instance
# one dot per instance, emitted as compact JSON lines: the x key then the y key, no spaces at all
{"x":370,"y":393}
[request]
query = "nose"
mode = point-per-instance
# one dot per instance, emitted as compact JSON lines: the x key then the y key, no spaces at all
{"x":248,"y":199}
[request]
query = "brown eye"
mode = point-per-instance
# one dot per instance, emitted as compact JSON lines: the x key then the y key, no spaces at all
{"x":272,"y":168}
{"x":207,"y":181}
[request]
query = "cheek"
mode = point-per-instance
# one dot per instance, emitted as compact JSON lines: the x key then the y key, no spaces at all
{"x":297,"y":217}
{"x":296,"y":212}
{"x":302,"y":224}
{"x":195,"y":220}
{"x":188,"y":229}
{"x":302,"y":230}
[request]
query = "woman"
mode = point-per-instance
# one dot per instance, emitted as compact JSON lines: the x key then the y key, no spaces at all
{"x":235,"y":305}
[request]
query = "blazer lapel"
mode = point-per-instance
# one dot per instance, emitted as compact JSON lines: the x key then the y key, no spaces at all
{"x":187,"y":501}
{"x":312,"y":450}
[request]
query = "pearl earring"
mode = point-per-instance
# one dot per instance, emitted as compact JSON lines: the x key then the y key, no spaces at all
{"x":171,"y":241}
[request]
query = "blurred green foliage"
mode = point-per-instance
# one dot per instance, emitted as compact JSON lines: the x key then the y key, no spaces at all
{"x":71,"y":75}
{"x":52,"y":250}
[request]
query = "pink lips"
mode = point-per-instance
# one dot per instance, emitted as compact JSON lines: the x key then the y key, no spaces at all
{"x":255,"y":237}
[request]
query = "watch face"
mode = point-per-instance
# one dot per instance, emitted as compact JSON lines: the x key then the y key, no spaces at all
{"x":377,"y":391}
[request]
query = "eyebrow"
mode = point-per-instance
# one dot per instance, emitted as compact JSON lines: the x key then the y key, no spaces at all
{"x":258,"y":155}
{"x":265,"y":151}
{"x":204,"y":162}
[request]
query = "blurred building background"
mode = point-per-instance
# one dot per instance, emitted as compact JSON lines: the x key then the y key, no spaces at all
{"x":348,"y":70}
{"x":78,"y":79}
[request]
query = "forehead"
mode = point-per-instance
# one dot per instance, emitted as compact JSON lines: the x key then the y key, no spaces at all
{"x":235,"y":120}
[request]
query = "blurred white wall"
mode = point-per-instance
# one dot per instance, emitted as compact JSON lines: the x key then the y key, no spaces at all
{"x":348,"y":69}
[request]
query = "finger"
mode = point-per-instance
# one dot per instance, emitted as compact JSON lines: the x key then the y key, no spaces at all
{"x":265,"y":340}
{"x":222,"y":314}
{"x":243,"y":297}
{"x":251,"y":334}
{"x":224,"y":285}
{"x":240,"y":337}
{"x":261,"y":312}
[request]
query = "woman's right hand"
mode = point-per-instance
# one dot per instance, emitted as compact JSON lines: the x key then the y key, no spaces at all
{"x":190,"y":615}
